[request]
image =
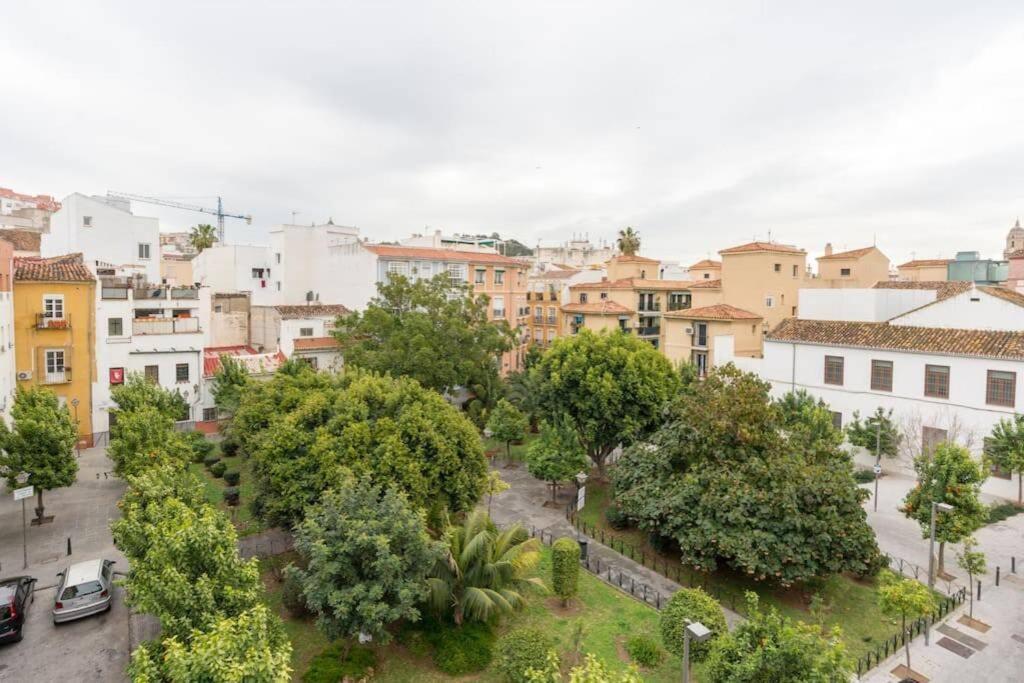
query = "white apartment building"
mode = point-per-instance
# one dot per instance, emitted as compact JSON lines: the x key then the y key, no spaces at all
{"x":105,"y":232}
{"x":236,"y":268}
{"x":300,"y":257}
{"x":156,"y":330}
{"x":303,"y":331}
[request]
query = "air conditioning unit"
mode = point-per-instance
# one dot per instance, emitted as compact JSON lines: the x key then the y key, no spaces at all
{"x":689,"y":330}
{"x":25,"y":375}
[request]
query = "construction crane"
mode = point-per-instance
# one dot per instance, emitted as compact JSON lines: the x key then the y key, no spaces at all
{"x":218,"y":212}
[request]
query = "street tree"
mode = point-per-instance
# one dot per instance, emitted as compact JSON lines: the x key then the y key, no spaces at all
{"x":808,"y":422}
{"x":202,"y":236}
{"x":435,"y":331}
{"x":507,"y":424}
{"x":495,"y":485}
{"x":146,"y":437}
{"x":628,"y":241}
{"x":366,"y":553}
{"x":973,"y":562}
{"x":40,"y":444}
{"x":878,"y":433}
{"x":731,"y":482}
{"x":138,"y":392}
{"x":555,"y":455}
{"x":611,"y":389}
{"x":905,"y":599}
{"x":484,"y":573}
{"x":229,"y":383}
{"x":1006,"y":449}
{"x":950,"y":476}
{"x":770,"y":647}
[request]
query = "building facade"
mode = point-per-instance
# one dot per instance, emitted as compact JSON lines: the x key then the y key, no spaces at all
{"x":968,"y":266}
{"x":7,"y":351}
{"x":237,"y":269}
{"x":929,"y":270}
{"x":857,"y":268}
{"x":764,"y":278}
{"x":579,"y":252}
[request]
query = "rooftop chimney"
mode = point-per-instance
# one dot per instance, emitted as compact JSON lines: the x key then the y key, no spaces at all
{"x":828,"y":249}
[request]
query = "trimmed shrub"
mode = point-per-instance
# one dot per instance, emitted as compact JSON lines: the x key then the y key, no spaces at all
{"x":229,"y":447}
{"x":617,"y":519}
{"x":211,"y":460}
{"x":522,"y":649}
{"x":231,"y":477}
{"x":696,"y":605}
{"x":644,"y":650}
{"x":201,"y":446}
{"x":231,"y":495}
{"x":863,"y":476}
{"x":328,"y":666}
{"x":565,"y":570}
{"x":464,"y":650}
{"x":217,"y":469}
{"x":291,"y":595}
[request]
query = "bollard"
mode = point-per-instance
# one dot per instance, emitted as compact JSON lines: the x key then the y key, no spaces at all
{"x":997,"y":575}
{"x":979,"y":590}
{"x":69,"y":545}
{"x":1013,"y":565}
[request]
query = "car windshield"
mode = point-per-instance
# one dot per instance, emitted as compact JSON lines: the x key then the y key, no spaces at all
{"x":81,"y":590}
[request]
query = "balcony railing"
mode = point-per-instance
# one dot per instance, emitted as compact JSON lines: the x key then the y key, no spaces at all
{"x":184,"y":293}
{"x":551,"y":320}
{"x":649,"y":331}
{"x":45,"y":322}
{"x":165,"y":325}
{"x":57,"y":376}
{"x":678,"y":305}
{"x":538,"y":319}
{"x":649,"y":308}
{"x":114,"y":293}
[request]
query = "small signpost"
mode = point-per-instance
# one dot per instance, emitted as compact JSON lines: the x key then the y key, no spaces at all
{"x":23,"y":494}
{"x":877,"y":469}
{"x":581,"y":498}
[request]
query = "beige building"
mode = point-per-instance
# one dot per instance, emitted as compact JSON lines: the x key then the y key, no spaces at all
{"x":924,"y":270}
{"x":176,"y":270}
{"x":857,"y":268}
{"x":689,"y":334}
{"x":706,"y":269}
{"x":229,"y":319}
{"x":764,"y":278}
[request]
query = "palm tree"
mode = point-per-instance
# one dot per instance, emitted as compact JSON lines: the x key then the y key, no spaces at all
{"x":629,"y":241}
{"x":203,"y":236}
{"x":483,"y":574}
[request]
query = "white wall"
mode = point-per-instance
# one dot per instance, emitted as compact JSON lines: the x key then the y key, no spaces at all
{"x":862,"y":305}
{"x":982,"y":311}
{"x":113,"y":236}
{"x":229,"y":269}
{"x":300,"y":257}
{"x":291,"y":328}
{"x":353,"y":279}
{"x":7,"y":368}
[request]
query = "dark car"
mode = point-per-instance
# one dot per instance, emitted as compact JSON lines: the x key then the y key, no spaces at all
{"x":16,"y":593}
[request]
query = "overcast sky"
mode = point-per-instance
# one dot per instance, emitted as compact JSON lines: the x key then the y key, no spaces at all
{"x":701,"y":128}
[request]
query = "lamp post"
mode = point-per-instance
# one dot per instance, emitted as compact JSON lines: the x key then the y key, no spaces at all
{"x":697,"y":632}
{"x":581,"y":482}
{"x":878,"y":458}
{"x":936,"y":508}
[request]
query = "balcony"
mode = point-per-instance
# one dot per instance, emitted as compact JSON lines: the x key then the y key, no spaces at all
{"x":649,"y":307}
{"x":56,"y":377}
{"x":117,"y":293}
{"x":652,"y":331}
{"x":537,"y":319}
{"x":551,"y":320}
{"x":678,"y":305}
{"x":184,"y":293}
{"x":165,"y":325}
{"x":45,"y":322}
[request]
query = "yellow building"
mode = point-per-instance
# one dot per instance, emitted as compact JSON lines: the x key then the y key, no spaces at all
{"x":545,"y":292}
{"x":689,"y":334}
{"x":706,"y":269}
{"x":54,"y":330}
{"x":764,"y":278}
{"x":925,"y":270}
{"x":858,"y":268}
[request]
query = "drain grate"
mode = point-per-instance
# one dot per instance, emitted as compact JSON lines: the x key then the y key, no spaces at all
{"x":955,"y":647}
{"x":967,"y":640}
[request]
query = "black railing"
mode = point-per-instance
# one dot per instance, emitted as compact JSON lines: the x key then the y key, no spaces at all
{"x":649,"y":331}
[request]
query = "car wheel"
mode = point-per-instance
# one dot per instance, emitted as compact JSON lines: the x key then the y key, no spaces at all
{"x":17,"y":638}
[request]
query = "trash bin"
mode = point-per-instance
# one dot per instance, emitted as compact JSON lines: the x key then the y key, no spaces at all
{"x":583,"y":549}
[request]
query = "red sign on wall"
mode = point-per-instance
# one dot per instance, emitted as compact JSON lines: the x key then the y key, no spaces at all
{"x":117,"y":375}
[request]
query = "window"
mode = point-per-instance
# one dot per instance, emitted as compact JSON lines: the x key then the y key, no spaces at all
{"x":115,"y":327}
{"x":793,"y":313}
{"x":604,"y":295}
{"x":707,"y":276}
{"x":209,"y":414}
{"x":457,"y":272}
{"x":53,"y":306}
{"x":834,"y":370}
{"x":479,"y":275}
{"x":218,"y":309}
{"x":278,"y":284}
{"x":152,"y":373}
{"x":499,"y":277}
{"x":1001,"y":389}
{"x":143,"y":250}
{"x":181,"y":372}
{"x":700,"y":360}
{"x":305,"y":331}
{"x":837,"y":420}
{"x":86,"y":221}
{"x":583,"y":297}
{"x":277,"y":257}
{"x":54,"y":364}
{"x":844,"y":272}
{"x":551,"y":315}
{"x":701,"y":334}
{"x":881,"y":375}
{"x":936,"y":381}
{"x":769,"y":301}
{"x":398,"y":268}
{"x":778,"y":267}
{"x":795,"y":270}
{"x":538,"y":335}
{"x":498,"y":306}
{"x":257,"y":273}
{"x":426,"y":270}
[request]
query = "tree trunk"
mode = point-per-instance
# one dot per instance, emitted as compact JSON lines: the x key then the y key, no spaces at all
{"x":906,"y":640}
{"x":970,"y":589}
{"x":554,"y":491}
{"x":942,"y":558}
{"x":458,"y":615}
{"x":508,"y":453}
{"x":346,"y":649}
{"x":39,"y":507}
{"x":1020,"y":487}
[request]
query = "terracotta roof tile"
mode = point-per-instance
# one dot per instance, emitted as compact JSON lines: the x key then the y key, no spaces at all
{"x":763,"y":246}
{"x":42,"y":201}
{"x":853,"y":253}
{"x":554,"y":274}
{"x":1014,"y":297}
{"x":66,"y":268}
{"x":633,"y":258}
{"x":635,"y":283}
{"x":315,"y":343}
{"x":453,"y":255}
{"x":921,"y":263}
{"x":23,"y":240}
{"x":943,"y":288}
{"x":598,"y":307}
{"x":705,"y":264}
{"x":310,"y":311}
{"x":714,"y":312}
{"x":251,"y":360}
{"x":707,"y":284}
{"x":945,"y":341}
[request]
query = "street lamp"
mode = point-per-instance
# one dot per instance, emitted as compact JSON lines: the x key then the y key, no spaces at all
{"x":581,"y":481}
{"x":936,"y":508}
{"x":697,"y":632}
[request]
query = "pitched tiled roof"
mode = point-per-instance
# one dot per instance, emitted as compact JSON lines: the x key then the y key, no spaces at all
{"x":763,"y":246}
{"x":633,"y":258}
{"x":921,"y":263}
{"x":310,"y":311}
{"x":42,"y":201}
{"x":705,"y":264}
{"x":66,"y":268}
{"x":1014,"y":297}
{"x":945,"y":341}
{"x":707,"y":284}
{"x":453,"y":255}
{"x":635,"y":283}
{"x":853,"y":253}
{"x":598,"y":307}
{"x":715,"y":312}
{"x":315,"y":343}
{"x":251,"y":360}
{"x":23,"y":240}
{"x":943,"y":288}
{"x":554,"y":274}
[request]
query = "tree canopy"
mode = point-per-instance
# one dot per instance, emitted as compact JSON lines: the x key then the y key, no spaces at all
{"x":1005,"y":448}
{"x":229,"y":383}
{"x":555,"y":455}
{"x":904,"y":599}
{"x":202,"y":236}
{"x":611,"y":389}
{"x":507,"y":424}
{"x":876,"y":432}
{"x":138,"y":392}
{"x":729,"y":481}
{"x":628,"y":241}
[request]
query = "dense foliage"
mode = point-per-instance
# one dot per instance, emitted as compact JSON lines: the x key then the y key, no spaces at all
{"x":229,"y":383}
{"x":592,"y":670}
{"x":565,"y":568}
{"x":730,"y":481}
{"x":555,"y":455}
{"x":686,"y":605}
{"x":521,"y":650}
{"x":644,"y":650}
{"x":138,"y":392}
{"x":904,"y":599}
{"x":305,"y":430}
{"x":877,"y":433}
{"x":973,"y":562}
{"x":507,"y":424}
{"x":145,"y":437}
{"x":1005,"y":448}
{"x":628,"y":241}
{"x":611,"y":389}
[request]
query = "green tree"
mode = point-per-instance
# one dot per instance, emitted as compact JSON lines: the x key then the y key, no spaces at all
{"x":687,"y":605}
{"x":611,"y":389}
{"x":41,"y":444}
{"x":565,"y":568}
{"x":730,"y":482}
{"x":1005,"y":448}
{"x":202,"y":236}
{"x":950,"y":476}
{"x":973,"y":562}
{"x":507,"y":424}
{"x":138,"y":392}
{"x":808,"y":423}
{"x":555,"y":455}
{"x":770,"y":647}
{"x":229,"y":383}
{"x":877,"y":433}
{"x":251,"y":647}
{"x":592,"y":670}
{"x":484,"y":572}
{"x":904,"y":598}
{"x":495,"y":485}
{"x":146,"y":437}
{"x":629,"y":241}
{"x":435,"y":331}
{"x":367,"y":554}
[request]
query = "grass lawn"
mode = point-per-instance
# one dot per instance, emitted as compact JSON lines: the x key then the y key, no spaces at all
{"x":853,"y":603}
{"x":496,"y":449}
{"x":609,"y":616}
{"x":240,"y":515}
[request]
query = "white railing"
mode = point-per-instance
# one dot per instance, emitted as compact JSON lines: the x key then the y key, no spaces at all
{"x":165,"y":325}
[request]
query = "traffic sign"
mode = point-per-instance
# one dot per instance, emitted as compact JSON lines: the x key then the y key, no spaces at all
{"x":877,"y":469}
{"x":22,"y":493}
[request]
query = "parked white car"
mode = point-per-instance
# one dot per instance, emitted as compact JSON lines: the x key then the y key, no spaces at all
{"x":84,"y":589}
